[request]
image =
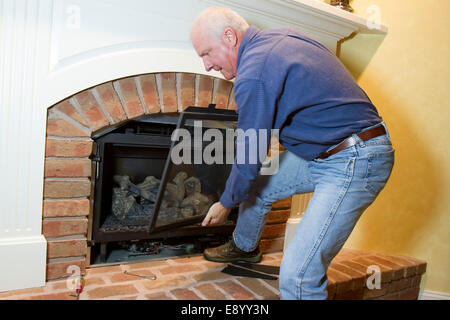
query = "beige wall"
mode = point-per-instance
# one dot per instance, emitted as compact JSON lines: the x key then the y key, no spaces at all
{"x":407,"y":74}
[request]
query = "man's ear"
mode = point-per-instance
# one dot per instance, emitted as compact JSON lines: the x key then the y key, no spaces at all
{"x":229,"y":37}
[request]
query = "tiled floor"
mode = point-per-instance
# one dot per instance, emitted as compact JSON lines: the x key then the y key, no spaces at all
{"x":180,"y":278}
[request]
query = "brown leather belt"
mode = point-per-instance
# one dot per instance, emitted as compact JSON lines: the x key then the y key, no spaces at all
{"x":350,"y":141}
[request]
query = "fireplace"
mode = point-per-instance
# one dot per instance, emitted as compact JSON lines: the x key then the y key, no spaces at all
{"x":125,"y":123}
{"x":140,"y":194}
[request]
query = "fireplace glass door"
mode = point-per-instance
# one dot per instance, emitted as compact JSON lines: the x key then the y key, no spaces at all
{"x":147,"y":181}
{"x":196,"y":170}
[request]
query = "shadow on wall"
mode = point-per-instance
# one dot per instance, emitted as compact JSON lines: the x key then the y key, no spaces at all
{"x":400,"y":218}
{"x":359,"y":57}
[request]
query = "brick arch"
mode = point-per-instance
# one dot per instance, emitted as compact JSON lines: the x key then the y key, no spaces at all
{"x":115,"y":101}
{"x":68,"y":191}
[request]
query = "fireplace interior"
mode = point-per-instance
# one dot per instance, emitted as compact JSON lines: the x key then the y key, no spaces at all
{"x":145,"y":205}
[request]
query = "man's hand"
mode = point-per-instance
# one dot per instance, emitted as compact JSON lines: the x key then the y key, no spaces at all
{"x":217,"y":214}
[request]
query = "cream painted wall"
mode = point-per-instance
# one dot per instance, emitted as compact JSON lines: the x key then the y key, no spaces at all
{"x":407,"y":76}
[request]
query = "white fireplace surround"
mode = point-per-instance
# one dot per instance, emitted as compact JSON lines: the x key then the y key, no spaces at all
{"x":52,"y":49}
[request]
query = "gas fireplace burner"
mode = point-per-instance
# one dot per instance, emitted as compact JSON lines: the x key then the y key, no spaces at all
{"x":141,"y":194}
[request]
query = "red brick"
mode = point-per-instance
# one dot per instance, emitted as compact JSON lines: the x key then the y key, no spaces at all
{"x":210,"y":292}
{"x":54,"y":296}
{"x":211,"y":276}
{"x":167,"y":282}
{"x":205,"y":89}
{"x":57,"y":167}
{"x":386,"y":272}
{"x":415,"y":281}
{"x":56,"y":126}
{"x":187,"y":90}
{"x":91,"y":110}
{"x":185,"y":294}
{"x":409,"y":294}
{"x":58,"y":228}
{"x":13,"y":294}
{"x":358,"y":277}
{"x":271,"y":245}
{"x":397,"y":269}
{"x":169,"y":92}
{"x":111,"y":102}
{"x":158,"y":296}
{"x":121,"y":277}
{"x":343,"y":282}
{"x":63,"y":269}
{"x":66,"y":208}
{"x":273,"y":283}
{"x":103,"y":270}
{"x":189,"y":259}
{"x":67,"y":188}
{"x":354,"y":265}
{"x":131,"y":97}
{"x":421,"y":265}
{"x":278,"y":216}
{"x":347,"y":254}
{"x":180,"y":269}
{"x":68,"y":148}
{"x":111,"y":291}
{"x":257,"y":287}
{"x":410,"y":268}
{"x":390,"y":296}
{"x":222,"y":94}
{"x":273,"y":231}
{"x":374,"y":293}
{"x":150,"y":93}
{"x":91,"y":281}
{"x":148,"y":264}
{"x":398,"y":285}
{"x":66,"y":248}
{"x":356,"y":294}
{"x":282,"y":204}
{"x":67,"y":108}
{"x":331,"y":289}
{"x":235,"y":290}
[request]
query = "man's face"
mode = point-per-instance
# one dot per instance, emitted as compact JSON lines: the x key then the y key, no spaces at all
{"x":217,"y":54}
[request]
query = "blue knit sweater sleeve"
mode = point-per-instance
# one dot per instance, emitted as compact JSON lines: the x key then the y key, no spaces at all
{"x":256,"y":111}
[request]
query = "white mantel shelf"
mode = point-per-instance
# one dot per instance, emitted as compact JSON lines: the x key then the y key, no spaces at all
{"x":52,"y":49}
{"x":313,"y":15}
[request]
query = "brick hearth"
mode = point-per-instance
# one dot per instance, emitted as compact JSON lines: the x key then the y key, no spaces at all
{"x":68,"y":189}
{"x":194,"y":278}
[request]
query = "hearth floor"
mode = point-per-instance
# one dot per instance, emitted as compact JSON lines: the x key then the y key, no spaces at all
{"x":193,"y":278}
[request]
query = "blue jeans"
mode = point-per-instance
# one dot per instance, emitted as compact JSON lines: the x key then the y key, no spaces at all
{"x":344,"y":185}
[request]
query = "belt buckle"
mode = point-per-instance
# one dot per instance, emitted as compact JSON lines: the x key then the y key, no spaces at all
{"x":351,"y":140}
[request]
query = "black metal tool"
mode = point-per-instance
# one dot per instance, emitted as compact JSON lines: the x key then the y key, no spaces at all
{"x":252,"y":270}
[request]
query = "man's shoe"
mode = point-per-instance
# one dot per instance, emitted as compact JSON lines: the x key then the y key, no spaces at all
{"x":229,"y":252}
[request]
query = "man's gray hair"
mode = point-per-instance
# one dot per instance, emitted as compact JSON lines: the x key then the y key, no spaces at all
{"x":214,"y":20}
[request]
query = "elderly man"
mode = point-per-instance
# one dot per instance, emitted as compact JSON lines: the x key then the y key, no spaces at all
{"x":337,"y":145}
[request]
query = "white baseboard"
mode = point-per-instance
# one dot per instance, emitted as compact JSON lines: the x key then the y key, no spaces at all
{"x":433,"y":295}
{"x":23,"y":262}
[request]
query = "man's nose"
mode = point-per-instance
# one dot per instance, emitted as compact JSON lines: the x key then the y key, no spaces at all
{"x":208,"y":64}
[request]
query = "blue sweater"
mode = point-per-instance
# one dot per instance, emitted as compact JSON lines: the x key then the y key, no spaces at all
{"x":290,"y":82}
